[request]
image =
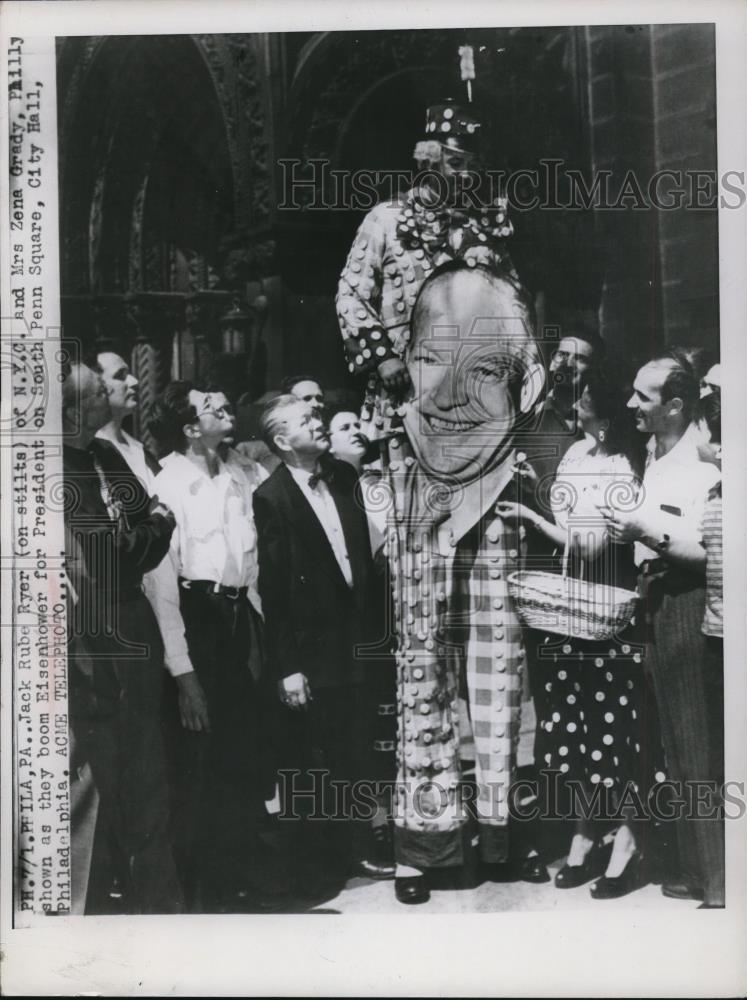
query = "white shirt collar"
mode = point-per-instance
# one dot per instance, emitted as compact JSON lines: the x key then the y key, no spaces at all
{"x":190,"y":473}
{"x":685,"y":452}
{"x":301,"y":476}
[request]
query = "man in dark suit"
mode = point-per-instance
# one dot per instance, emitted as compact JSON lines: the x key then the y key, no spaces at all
{"x":316,"y":582}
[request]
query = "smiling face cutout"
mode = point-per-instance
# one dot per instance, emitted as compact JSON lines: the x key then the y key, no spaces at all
{"x":474,"y":367}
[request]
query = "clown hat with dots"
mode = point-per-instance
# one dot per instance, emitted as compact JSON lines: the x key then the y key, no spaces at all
{"x":453,"y":126}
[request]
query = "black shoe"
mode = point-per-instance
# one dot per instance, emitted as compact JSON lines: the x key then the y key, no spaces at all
{"x":620,"y":885}
{"x":681,"y":890}
{"x":531,"y":869}
{"x":711,"y":906}
{"x":412,"y":889}
{"x":572,"y":876}
{"x":378,"y":860}
{"x":375,"y":869}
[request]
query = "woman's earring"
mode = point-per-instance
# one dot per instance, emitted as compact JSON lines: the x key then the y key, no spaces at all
{"x":602,"y":436}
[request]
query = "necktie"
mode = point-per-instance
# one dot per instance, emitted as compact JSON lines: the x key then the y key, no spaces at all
{"x":325,"y":474}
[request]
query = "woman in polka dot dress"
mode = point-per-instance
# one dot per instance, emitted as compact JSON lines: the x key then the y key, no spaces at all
{"x":593,"y":704}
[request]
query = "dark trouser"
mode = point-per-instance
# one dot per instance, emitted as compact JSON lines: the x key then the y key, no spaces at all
{"x":121,"y":755}
{"x":711,"y":845}
{"x":675,"y":655}
{"x":322,"y":759}
{"x":219,"y":780}
{"x":377,"y":724}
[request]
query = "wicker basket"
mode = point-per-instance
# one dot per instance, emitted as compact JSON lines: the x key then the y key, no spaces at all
{"x":568,"y":606}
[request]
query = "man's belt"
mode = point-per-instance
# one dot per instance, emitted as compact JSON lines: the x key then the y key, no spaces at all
{"x":211,"y":587}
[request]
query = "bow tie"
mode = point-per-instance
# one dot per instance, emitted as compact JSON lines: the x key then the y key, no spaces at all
{"x":325,"y":475}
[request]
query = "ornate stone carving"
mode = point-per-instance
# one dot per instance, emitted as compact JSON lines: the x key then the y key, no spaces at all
{"x":95,"y":224}
{"x":355,"y":68}
{"x":137,"y":225}
{"x":243,"y":260}
{"x":233,"y":66}
{"x":109,"y":320}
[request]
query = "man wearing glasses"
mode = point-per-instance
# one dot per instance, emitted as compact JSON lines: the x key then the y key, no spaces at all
{"x":219,"y":785}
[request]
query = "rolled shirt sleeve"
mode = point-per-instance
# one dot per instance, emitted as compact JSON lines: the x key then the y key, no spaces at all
{"x":161,"y":587}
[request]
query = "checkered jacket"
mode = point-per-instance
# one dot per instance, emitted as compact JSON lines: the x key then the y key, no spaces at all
{"x":458,"y":635}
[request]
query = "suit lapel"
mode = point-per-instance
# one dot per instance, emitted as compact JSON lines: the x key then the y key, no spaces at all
{"x":310,"y":530}
{"x":351,"y":523}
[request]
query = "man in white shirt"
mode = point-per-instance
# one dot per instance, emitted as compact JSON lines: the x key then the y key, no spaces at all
{"x":666,"y":529}
{"x":319,"y":597}
{"x":122,"y":388}
{"x":221,"y":782}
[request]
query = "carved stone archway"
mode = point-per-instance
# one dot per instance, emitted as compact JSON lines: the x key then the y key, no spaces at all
{"x":163,"y":173}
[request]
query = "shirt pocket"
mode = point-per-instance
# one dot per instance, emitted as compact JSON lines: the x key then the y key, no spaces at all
{"x":240,"y":525}
{"x":202,"y":516}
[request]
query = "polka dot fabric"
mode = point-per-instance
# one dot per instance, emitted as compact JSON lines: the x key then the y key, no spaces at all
{"x":590,"y":714}
{"x":395,"y":249}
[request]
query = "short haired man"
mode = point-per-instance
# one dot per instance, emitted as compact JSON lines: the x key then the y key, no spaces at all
{"x":305,"y":388}
{"x":119,"y":791}
{"x":557,"y":428}
{"x":221,"y":783}
{"x":316,"y":578}
{"x":667,"y":531}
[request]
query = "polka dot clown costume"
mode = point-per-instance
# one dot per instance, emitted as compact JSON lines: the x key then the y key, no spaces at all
{"x":401,"y":242}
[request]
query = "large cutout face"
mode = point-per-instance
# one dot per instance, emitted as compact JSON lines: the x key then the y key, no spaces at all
{"x":473,"y":367}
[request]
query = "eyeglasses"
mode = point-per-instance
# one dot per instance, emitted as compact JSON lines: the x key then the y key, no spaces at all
{"x":224,"y":410}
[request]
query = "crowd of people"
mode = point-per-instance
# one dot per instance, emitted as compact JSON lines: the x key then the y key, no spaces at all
{"x":334,"y":602}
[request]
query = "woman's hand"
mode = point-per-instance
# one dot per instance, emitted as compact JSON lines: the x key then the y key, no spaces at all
{"x":623,"y":528}
{"x":518,"y":512}
{"x":523,"y":469}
